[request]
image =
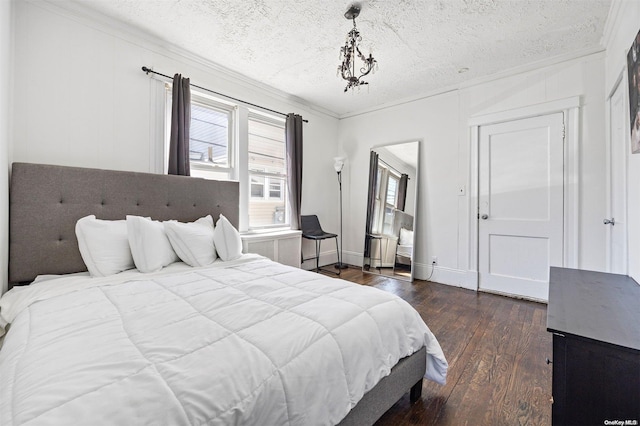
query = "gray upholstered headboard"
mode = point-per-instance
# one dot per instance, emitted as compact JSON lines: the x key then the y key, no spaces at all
{"x":46,"y":201}
{"x":401,"y":220}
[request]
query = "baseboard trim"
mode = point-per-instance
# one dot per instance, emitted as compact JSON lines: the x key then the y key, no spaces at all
{"x":326,"y":258}
{"x":422,"y":271}
{"x":514,"y":296}
{"x":448,"y":276}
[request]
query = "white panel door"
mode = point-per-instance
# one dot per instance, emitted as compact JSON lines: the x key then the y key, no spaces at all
{"x":616,"y":220}
{"x":520,"y":227}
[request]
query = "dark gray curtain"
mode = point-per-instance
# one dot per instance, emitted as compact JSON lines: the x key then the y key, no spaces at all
{"x":402,"y":191}
{"x":371,"y":202}
{"x":180,"y":123}
{"x":293,"y":138}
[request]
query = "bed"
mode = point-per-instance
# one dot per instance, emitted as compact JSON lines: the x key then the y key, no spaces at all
{"x":243,"y":341}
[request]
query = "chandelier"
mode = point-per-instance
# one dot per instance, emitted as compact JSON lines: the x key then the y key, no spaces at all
{"x":351,"y":51}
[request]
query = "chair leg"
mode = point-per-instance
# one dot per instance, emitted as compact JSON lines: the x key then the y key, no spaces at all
{"x":317,"y":255}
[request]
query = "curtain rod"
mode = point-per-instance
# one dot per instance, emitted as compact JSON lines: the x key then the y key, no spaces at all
{"x":394,"y":169}
{"x":149,"y":70}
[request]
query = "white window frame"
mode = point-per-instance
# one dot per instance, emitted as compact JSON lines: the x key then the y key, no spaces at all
{"x":280,"y":189}
{"x":203,"y":168}
{"x":268,"y":181}
{"x":385,"y":173}
{"x":251,"y":183}
{"x":237,"y":169}
{"x":271,"y":119}
{"x":391,"y":175}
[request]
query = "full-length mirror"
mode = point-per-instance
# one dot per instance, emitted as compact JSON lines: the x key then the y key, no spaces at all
{"x":391,"y":206}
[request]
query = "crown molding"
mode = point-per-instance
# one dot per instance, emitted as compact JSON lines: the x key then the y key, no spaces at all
{"x":87,"y":16}
{"x":550,"y":62}
{"x":610,"y":23}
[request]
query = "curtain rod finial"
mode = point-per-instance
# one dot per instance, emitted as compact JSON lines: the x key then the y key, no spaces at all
{"x":145,"y":69}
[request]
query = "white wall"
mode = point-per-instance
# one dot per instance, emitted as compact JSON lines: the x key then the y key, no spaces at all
{"x":442,"y":123}
{"x":82,"y":99}
{"x":6,"y":43}
{"x":622,"y":26}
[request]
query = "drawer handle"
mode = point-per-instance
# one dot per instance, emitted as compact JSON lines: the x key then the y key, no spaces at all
{"x":549,"y":361}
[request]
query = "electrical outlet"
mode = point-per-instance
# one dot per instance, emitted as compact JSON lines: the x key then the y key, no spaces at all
{"x":434,"y":260}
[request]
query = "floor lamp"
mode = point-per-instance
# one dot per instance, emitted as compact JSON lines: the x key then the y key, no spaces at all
{"x":338,"y":165}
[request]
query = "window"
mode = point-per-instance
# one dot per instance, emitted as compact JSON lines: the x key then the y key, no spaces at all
{"x":387,"y":184}
{"x":220,"y":149}
{"x":257,"y":187}
{"x":267,"y":172}
{"x":210,"y":136}
{"x":392,"y":190}
{"x":391,"y":201}
{"x":275,"y":190}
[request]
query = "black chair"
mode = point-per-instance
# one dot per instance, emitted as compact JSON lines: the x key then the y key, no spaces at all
{"x":311,"y":230}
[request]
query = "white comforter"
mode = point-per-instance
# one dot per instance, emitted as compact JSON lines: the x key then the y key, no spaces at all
{"x":245,"y":342}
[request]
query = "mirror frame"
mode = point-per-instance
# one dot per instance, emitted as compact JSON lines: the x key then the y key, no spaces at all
{"x":391,"y":238}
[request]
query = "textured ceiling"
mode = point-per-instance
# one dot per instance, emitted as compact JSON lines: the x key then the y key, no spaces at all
{"x":420,"y":45}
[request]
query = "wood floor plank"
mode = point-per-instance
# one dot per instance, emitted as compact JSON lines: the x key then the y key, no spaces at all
{"x":496,"y":348}
{"x":486,"y":375}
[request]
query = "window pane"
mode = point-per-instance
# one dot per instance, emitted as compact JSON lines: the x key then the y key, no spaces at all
{"x":267,"y":164}
{"x":269,"y":211}
{"x":211,"y":173}
{"x":209,"y":135}
{"x":275,"y":188}
{"x":266,"y":147}
{"x":388,"y":221}
{"x":392,"y":189}
{"x":257,"y":187}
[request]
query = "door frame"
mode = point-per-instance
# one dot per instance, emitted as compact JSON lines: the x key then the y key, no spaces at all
{"x":622,"y":78}
{"x":570,"y":108}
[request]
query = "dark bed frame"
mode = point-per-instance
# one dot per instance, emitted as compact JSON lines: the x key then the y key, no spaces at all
{"x":46,"y":201}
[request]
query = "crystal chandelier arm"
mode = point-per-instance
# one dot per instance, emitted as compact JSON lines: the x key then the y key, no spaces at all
{"x":368,"y":63}
{"x":346,"y":65}
{"x":368,"y":67}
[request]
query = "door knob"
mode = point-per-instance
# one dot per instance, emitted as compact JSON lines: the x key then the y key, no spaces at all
{"x":485,"y":216}
{"x":611,"y":222}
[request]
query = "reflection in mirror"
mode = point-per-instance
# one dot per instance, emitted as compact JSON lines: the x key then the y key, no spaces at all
{"x":390,"y":220}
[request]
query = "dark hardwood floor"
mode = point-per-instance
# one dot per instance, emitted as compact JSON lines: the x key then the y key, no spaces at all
{"x":496,"y":347}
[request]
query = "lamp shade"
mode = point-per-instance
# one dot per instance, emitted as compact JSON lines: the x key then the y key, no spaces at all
{"x":338,"y":164}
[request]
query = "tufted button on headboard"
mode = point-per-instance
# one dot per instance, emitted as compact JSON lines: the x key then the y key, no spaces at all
{"x":45,"y":202}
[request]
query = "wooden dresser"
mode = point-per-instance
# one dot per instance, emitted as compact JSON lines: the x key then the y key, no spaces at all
{"x":595,"y":321}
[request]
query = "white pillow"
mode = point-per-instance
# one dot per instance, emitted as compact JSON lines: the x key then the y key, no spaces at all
{"x":150,"y":247}
{"x":227,"y":240}
{"x":193,"y":241}
{"x":406,"y":237}
{"x":103,"y":245}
